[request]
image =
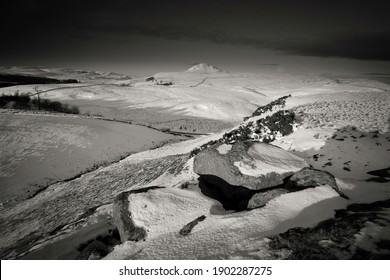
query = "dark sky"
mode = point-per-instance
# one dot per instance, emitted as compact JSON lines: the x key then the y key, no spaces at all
{"x":139,"y":37}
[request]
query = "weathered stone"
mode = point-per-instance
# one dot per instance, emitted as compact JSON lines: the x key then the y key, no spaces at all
{"x":251,"y":165}
{"x":148,"y":212}
{"x":262,"y":198}
{"x":128,"y":230}
{"x":309,"y":178}
{"x":188,"y":227}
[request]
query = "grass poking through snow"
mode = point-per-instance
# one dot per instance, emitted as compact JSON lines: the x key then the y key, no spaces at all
{"x":335,"y":238}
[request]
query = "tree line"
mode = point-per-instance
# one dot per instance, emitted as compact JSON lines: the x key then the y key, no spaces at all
{"x":27,"y":102}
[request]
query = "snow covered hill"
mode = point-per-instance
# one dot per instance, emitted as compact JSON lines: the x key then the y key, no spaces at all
{"x":204,"y":68}
{"x":204,"y":92}
{"x":62,"y":73}
{"x":165,"y":208}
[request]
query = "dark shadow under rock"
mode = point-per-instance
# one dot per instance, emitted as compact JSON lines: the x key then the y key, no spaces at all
{"x":188,"y":227}
{"x":99,"y":247}
{"x":128,"y":231}
{"x":240,"y":198}
{"x":378,"y":180}
{"x":237,"y":198}
{"x":383,"y":173}
{"x":231,"y":197}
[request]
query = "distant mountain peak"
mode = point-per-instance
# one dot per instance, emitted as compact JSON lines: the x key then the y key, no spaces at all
{"x":204,"y":67}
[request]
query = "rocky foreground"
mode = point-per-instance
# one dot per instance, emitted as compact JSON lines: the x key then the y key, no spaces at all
{"x":249,"y":179}
{"x":246,"y":192}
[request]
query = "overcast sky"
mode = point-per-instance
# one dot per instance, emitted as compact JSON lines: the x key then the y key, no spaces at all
{"x":143,"y":37}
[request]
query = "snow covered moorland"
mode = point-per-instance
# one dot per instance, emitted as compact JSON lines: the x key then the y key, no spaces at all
{"x":290,"y":153}
{"x":38,"y":150}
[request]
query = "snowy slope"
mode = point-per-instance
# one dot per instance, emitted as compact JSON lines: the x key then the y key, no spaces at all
{"x":242,"y":235}
{"x":324,"y":105}
{"x":202,"y":92}
{"x":204,"y":68}
{"x":62,"y":73}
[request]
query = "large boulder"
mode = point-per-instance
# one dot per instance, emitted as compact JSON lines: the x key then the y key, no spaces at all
{"x":252,"y":165}
{"x":128,"y":229}
{"x":146,"y":213}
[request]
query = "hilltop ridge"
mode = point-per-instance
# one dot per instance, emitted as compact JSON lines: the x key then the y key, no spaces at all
{"x":204,"y":67}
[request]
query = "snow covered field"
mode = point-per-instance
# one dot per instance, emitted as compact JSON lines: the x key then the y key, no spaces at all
{"x":343,"y":129}
{"x":38,"y":150}
{"x":199,"y":93}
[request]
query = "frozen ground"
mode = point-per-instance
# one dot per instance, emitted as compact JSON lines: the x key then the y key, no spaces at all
{"x":344,"y":130}
{"x":346,"y":134}
{"x":208,"y":94}
{"x":367,"y":111}
{"x":38,"y":150}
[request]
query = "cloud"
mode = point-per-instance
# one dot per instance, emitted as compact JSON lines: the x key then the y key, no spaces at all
{"x":357,"y":45}
{"x":354,"y":45}
{"x":358,"y":31}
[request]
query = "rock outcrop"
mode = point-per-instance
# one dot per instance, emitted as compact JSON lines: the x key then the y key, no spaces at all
{"x":272,"y":106}
{"x":251,"y":165}
{"x":266,"y":130}
{"x":233,"y":175}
